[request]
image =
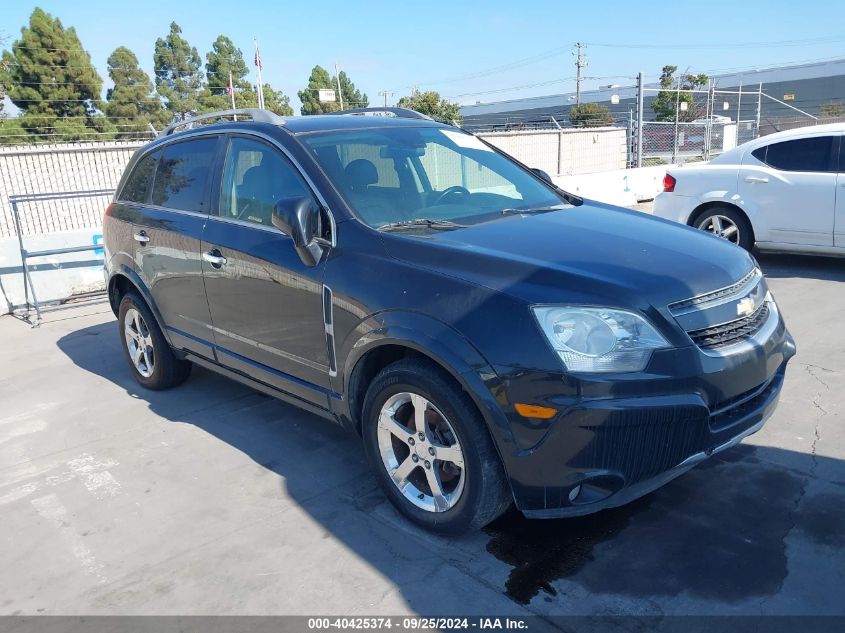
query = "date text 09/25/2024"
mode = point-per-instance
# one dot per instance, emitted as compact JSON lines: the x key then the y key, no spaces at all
{"x":416,"y":623}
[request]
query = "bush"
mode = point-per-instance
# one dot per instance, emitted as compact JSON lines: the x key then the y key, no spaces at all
{"x":590,"y":115}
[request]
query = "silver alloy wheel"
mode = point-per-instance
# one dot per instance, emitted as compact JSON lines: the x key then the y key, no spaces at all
{"x":420,"y":451}
{"x":139,"y":342}
{"x":721,"y":226}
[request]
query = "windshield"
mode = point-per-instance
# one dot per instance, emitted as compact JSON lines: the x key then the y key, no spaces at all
{"x":401,"y":174}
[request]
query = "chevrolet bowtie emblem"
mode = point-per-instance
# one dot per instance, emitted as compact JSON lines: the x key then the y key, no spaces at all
{"x":745,"y":306}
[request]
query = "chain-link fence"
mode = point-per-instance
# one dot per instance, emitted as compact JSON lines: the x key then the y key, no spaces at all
{"x":697,"y":124}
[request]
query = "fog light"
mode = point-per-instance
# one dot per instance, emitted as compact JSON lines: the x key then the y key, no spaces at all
{"x":573,"y":494}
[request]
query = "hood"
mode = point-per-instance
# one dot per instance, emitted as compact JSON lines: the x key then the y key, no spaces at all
{"x":593,"y":254}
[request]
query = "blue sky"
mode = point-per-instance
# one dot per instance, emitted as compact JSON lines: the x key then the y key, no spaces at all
{"x":469,"y":51}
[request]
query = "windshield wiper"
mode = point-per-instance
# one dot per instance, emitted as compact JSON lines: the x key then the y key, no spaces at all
{"x":410,"y":224}
{"x":515,"y":211}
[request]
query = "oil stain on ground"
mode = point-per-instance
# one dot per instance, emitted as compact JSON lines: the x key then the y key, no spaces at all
{"x":715,"y":533}
{"x":543,"y":551}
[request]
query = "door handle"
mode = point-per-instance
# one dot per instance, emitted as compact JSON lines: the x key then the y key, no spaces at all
{"x":214,"y":258}
{"x":760,"y":179}
{"x":141,"y":237}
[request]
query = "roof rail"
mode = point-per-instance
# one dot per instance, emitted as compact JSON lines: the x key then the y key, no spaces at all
{"x":259,"y":116}
{"x":403,"y":113}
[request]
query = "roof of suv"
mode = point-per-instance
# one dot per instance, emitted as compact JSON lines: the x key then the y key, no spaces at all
{"x":323,"y":122}
{"x":347,"y":120}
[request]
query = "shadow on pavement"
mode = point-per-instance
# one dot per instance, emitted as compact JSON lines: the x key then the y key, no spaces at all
{"x":782,"y":266}
{"x":717,"y":533}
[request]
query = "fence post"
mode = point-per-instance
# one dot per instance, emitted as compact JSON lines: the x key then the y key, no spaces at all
{"x":559,"y":146}
{"x":708,"y":133}
{"x":677,"y":119}
{"x":639,"y":146}
{"x":738,"y":113}
{"x":759,"y":106}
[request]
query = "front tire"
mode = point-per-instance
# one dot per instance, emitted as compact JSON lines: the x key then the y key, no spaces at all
{"x":431,"y":450}
{"x":727,"y":223}
{"x":148,"y":353}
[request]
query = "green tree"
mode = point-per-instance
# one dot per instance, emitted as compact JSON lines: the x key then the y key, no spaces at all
{"x":352,"y":97}
{"x":12,"y":132}
{"x":319,"y":79}
{"x":50,"y":77}
{"x":432,"y":104}
{"x":225,"y":58}
{"x":668,"y":100}
{"x":590,"y":115}
{"x":277,"y":101}
{"x":3,"y":66}
{"x":132,"y":104}
{"x":178,"y":74}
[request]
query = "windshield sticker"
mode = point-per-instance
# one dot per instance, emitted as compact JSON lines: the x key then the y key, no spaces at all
{"x":465,"y":140}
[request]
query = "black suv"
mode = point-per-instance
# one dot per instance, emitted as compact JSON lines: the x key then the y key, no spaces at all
{"x":493,"y":339}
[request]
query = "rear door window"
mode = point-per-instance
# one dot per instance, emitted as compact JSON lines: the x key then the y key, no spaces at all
{"x":138,"y":185}
{"x":803,"y":154}
{"x":183,"y":173}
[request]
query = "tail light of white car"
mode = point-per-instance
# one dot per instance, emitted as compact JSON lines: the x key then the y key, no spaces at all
{"x":669,"y":183}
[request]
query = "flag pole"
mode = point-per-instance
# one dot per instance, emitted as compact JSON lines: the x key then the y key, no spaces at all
{"x":231,"y":91}
{"x":260,"y":83}
{"x":339,"y":93}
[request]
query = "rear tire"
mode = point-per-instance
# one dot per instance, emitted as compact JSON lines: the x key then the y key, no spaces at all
{"x":148,"y":353}
{"x":727,"y":223}
{"x":431,"y":450}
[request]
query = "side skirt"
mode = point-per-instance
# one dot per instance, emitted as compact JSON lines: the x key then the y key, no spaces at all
{"x":263,"y":388}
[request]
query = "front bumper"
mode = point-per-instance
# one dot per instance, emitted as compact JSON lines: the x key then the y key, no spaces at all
{"x":616,"y":440}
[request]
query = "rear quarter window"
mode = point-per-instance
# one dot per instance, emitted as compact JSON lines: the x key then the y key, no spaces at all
{"x":138,"y":184}
{"x":182,"y":175}
{"x":803,"y":154}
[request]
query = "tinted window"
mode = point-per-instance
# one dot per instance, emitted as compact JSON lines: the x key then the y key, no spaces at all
{"x":138,"y":185}
{"x":255,"y":177}
{"x":394,"y":174}
{"x":182,"y":175}
{"x":805,"y":154}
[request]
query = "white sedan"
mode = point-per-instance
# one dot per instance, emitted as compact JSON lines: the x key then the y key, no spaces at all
{"x":782,"y":192}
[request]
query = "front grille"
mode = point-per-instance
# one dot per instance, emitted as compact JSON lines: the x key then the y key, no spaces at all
{"x":734,"y":290}
{"x":730,"y":333}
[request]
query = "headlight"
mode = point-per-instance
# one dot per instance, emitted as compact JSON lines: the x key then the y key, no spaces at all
{"x":599,"y":339}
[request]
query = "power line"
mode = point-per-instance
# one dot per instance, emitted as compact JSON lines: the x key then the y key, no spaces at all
{"x":801,"y":42}
{"x":536,"y":85}
{"x":496,"y":69}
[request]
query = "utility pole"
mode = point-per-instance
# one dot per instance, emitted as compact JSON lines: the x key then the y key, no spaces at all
{"x":339,"y":91}
{"x":386,"y":94}
{"x":580,"y":62}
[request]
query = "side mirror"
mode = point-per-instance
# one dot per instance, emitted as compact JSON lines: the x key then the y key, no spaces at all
{"x":542,"y":175}
{"x":300,"y":219}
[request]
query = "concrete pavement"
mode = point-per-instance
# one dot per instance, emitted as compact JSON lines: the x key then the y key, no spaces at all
{"x":214,"y":499}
